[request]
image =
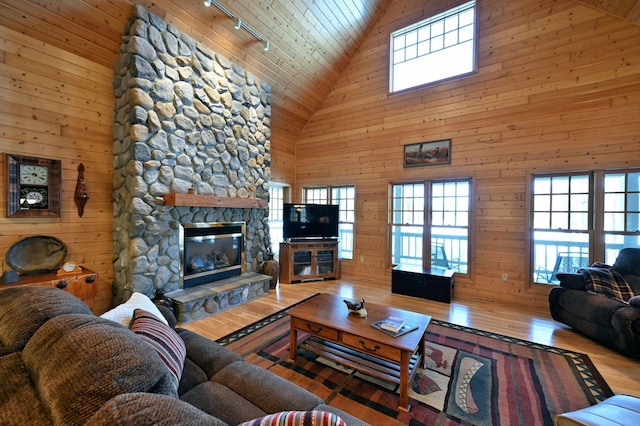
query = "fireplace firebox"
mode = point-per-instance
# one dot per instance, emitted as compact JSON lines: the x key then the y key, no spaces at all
{"x":210,"y":252}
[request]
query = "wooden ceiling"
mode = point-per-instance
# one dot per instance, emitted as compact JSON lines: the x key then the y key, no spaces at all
{"x":311,"y":42}
{"x":629,"y":10}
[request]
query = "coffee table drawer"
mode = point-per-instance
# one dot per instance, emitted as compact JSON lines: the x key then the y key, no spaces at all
{"x":371,"y":347}
{"x":316,"y":329}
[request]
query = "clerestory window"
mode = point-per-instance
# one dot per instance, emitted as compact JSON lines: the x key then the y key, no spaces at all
{"x":437,"y":48}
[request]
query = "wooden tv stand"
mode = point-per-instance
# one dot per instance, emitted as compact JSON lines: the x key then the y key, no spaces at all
{"x":307,"y":260}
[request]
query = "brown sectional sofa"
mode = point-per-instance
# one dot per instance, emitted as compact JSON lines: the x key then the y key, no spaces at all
{"x":62,"y":365}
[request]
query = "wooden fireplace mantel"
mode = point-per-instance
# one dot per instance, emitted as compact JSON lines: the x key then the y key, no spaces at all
{"x":195,"y":200}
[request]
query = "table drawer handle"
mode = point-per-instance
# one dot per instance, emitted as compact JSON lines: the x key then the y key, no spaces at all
{"x":316,"y":330}
{"x":364,"y":346}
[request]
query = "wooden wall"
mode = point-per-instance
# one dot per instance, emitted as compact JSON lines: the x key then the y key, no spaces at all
{"x":558,"y":89}
{"x":57,"y":102}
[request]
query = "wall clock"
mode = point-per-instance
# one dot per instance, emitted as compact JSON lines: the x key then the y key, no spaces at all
{"x":33,"y":186}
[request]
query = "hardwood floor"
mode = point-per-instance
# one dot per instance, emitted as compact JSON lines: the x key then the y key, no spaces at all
{"x":621,"y":373}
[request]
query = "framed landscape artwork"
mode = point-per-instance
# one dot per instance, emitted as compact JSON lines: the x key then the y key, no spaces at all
{"x":427,"y":153}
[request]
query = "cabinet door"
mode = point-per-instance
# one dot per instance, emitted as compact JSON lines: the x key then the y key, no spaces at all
{"x":302,"y":265}
{"x":324,"y":262}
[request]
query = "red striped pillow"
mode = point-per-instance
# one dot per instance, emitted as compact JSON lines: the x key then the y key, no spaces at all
{"x":297,"y":418}
{"x":164,"y":339}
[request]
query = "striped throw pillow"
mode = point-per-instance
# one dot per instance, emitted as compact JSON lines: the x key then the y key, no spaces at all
{"x":167,"y":343}
{"x":297,"y":418}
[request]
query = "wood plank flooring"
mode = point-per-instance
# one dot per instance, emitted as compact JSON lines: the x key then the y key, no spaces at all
{"x":621,"y":373}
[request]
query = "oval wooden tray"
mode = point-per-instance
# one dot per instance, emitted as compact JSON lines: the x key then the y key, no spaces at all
{"x":36,"y":255}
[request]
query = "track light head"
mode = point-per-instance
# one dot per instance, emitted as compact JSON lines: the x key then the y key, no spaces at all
{"x":207,"y":3}
{"x":238,"y":24}
{"x":266,"y":45}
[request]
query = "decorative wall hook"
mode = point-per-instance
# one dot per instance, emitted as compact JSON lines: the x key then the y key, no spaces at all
{"x":80,"y":195}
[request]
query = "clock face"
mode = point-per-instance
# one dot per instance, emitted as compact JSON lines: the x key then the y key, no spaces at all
{"x":33,"y":175}
{"x":69,"y":267}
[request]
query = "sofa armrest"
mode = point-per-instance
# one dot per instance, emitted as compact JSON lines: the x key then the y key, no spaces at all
{"x":567,"y":306}
{"x":169,"y":316}
{"x":572,"y":281}
{"x":626,"y":321}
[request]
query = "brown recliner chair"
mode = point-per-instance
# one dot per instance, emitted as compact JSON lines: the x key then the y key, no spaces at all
{"x":610,"y":322}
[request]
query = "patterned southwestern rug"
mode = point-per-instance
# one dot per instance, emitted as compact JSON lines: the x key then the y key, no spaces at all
{"x":472,"y":377}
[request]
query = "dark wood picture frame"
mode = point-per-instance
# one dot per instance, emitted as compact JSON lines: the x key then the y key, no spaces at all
{"x":427,"y":153}
{"x":17,"y":206}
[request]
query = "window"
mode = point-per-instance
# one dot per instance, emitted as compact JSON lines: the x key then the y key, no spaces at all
{"x":276,"y":200}
{"x":345,"y":198}
{"x":450,"y":224}
{"x":316,"y":195}
{"x":407,"y":223}
{"x":437,"y":48}
{"x":443,"y":233}
{"x":580,"y":218}
{"x":621,"y":212}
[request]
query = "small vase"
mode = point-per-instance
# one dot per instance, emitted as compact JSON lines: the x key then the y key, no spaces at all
{"x":271,"y":267}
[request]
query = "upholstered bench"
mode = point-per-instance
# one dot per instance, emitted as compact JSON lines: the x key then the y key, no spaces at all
{"x":617,"y":410}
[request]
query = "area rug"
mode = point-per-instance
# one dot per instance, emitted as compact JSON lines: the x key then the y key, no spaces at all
{"x":472,"y":377}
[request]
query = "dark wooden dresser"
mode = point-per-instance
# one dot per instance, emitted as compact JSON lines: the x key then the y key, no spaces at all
{"x":83,"y":285}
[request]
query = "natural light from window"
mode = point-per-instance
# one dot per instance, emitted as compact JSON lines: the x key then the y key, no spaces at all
{"x":437,"y":48}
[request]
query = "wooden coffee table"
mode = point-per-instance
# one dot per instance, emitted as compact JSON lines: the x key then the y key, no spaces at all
{"x":351,"y":341}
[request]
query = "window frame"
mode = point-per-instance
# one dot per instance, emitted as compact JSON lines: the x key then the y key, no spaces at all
{"x":597,"y":231}
{"x":427,"y":224}
{"x":276,"y":212}
{"x":325,"y":195}
{"x":416,"y":27}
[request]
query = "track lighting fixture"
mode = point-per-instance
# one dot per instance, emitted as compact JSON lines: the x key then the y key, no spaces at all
{"x":239,"y":23}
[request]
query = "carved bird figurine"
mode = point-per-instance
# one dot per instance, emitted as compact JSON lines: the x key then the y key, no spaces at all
{"x":356,"y":308}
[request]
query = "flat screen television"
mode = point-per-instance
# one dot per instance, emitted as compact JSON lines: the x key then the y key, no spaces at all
{"x":310,"y":221}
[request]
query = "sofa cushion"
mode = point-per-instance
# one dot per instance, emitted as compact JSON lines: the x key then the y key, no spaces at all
{"x":87,"y":361}
{"x":150,"y":409}
{"x":628,"y":261}
{"x":166,"y":342}
{"x":298,"y":418}
{"x":264,"y":389}
{"x":218,"y":400}
{"x":123,"y":313}
{"x":18,"y":397}
{"x":24,"y":309}
{"x":204,"y":359}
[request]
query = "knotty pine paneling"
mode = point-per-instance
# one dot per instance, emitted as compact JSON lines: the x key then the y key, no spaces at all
{"x":556,"y":89}
{"x":558,"y":85}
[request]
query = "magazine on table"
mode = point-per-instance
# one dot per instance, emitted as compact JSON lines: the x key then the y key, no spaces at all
{"x":392,"y":323}
{"x":403,"y":328}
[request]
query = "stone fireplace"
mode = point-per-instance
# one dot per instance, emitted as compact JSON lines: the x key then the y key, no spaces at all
{"x":191,"y":146}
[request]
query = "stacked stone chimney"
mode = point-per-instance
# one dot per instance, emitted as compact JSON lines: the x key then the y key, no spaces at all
{"x":186,"y":119}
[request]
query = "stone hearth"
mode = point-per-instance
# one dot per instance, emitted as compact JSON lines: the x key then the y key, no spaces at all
{"x":198,"y":302}
{"x":187,"y":120}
